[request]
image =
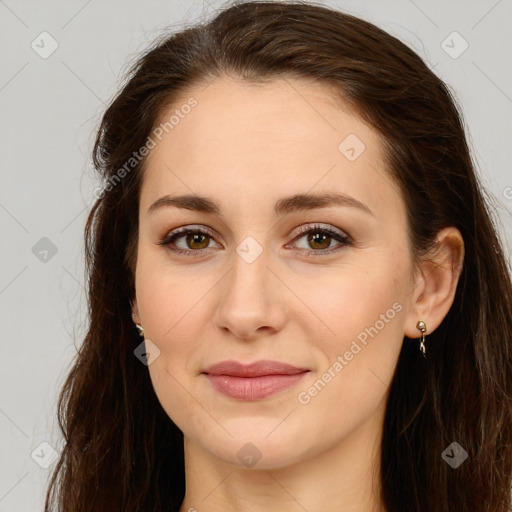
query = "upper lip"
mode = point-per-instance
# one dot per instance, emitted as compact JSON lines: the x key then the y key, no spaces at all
{"x":256,"y":369}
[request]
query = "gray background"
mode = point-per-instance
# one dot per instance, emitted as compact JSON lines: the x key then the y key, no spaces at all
{"x":50,"y":108}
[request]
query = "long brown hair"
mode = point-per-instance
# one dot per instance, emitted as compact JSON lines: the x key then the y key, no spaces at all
{"x":121,"y":450}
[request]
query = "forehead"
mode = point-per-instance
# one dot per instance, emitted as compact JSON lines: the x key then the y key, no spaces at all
{"x":277,"y":114}
{"x":243,"y":140}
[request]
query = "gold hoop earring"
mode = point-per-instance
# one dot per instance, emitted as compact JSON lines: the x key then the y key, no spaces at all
{"x":422,"y":326}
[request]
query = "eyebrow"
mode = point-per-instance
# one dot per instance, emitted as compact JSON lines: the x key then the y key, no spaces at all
{"x":296,"y":202}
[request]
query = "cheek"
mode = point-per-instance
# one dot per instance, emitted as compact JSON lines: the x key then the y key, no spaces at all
{"x":170,"y":308}
{"x":169,"y":296}
{"x":362,"y":310}
{"x":346,"y":392}
{"x":355,"y":301}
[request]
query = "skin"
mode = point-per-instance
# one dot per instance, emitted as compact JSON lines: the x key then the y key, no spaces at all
{"x":247,"y":146}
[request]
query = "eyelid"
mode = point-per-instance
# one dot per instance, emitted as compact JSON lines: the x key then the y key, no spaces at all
{"x":191,"y":227}
{"x":306,"y":228}
{"x":343,"y":238}
{"x":184,"y":230}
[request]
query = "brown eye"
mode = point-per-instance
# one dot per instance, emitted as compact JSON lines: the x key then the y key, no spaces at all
{"x":197,"y":241}
{"x":319,"y":240}
{"x":188,"y":241}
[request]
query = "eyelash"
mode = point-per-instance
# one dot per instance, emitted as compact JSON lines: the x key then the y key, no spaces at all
{"x":344,"y":240}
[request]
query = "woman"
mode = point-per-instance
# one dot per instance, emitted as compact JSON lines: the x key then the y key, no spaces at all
{"x":297,"y":297}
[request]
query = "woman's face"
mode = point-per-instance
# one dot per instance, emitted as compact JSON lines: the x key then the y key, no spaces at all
{"x":274,"y":271}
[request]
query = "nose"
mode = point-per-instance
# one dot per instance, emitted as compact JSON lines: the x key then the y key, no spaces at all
{"x":251,"y":302}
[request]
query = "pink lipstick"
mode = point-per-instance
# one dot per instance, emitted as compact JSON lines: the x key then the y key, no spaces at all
{"x":254,"y":381}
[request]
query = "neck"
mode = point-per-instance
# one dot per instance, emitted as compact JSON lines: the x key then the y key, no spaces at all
{"x":344,"y":477}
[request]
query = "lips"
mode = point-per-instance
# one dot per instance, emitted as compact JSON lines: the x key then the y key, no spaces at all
{"x":254,"y":381}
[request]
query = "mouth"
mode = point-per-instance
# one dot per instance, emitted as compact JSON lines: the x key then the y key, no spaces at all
{"x":255,"y":381}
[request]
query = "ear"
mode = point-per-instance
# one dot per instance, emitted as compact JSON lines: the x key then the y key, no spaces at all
{"x":436,"y":282}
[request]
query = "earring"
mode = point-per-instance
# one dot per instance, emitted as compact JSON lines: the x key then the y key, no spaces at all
{"x":139,"y":327}
{"x":422,"y":326}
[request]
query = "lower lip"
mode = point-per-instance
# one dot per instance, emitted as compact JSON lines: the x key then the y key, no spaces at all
{"x":253,"y":388}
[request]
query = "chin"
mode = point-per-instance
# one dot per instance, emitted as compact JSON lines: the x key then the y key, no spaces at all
{"x":258,"y":455}
{"x":263,"y":451}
